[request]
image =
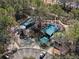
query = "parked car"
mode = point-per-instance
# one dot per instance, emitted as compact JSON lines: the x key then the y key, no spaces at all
{"x":5,"y":57}
{"x":42,"y":55}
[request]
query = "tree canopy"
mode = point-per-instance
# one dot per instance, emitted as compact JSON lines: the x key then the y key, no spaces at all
{"x":6,"y":20}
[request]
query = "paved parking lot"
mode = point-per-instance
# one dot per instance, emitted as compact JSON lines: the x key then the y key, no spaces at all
{"x":27,"y":52}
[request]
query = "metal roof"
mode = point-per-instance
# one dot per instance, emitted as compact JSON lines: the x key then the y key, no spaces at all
{"x":28,"y":22}
{"x":50,"y":29}
{"x":44,"y":40}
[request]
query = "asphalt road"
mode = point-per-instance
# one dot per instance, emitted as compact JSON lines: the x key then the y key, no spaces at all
{"x":27,"y":52}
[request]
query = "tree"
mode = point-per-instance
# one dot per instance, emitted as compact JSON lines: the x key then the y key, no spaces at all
{"x":73,"y":31}
{"x":6,"y":20}
{"x":57,"y":10}
{"x":36,"y":3}
{"x":75,"y":12}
